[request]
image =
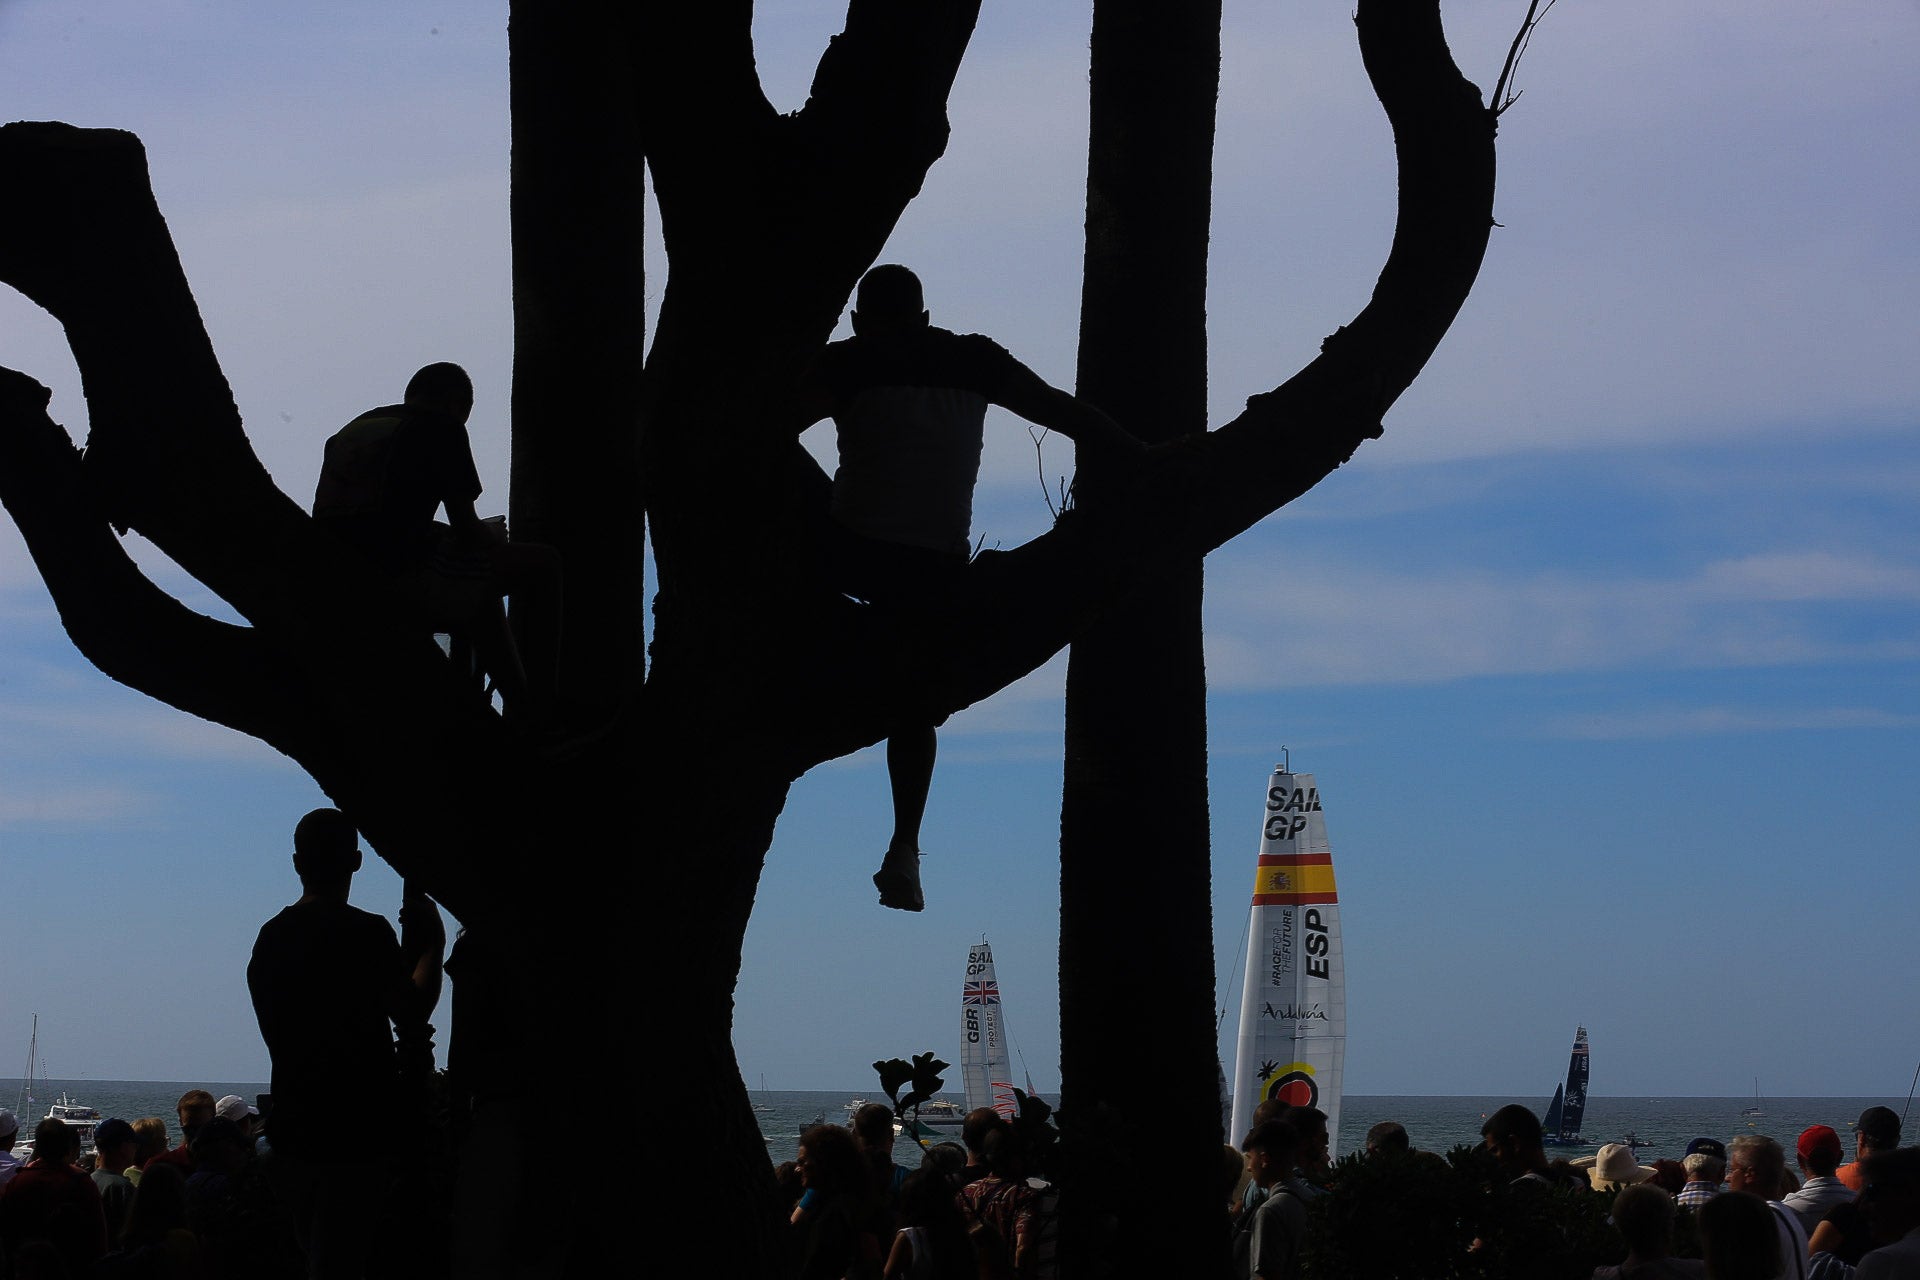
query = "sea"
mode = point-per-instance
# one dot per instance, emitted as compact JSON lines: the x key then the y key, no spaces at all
{"x":1434,"y":1123}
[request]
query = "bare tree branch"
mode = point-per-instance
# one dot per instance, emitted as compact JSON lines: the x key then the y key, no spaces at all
{"x":124,"y":624}
{"x":80,"y":234}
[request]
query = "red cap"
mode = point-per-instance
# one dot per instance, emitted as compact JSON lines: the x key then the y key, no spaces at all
{"x":1819,"y":1138}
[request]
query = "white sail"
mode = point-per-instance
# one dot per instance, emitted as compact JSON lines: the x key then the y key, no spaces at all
{"x":1293,"y":1014}
{"x":986,"y":1068}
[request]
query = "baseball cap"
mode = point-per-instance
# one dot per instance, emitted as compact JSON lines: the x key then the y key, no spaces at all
{"x":1816,"y":1138}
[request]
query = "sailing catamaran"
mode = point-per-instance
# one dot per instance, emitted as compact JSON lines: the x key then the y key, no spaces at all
{"x":1561,"y":1128}
{"x":1293,"y":1012}
{"x":986,"y":1069}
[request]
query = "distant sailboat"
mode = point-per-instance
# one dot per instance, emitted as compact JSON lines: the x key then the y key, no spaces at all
{"x":986,"y":1066}
{"x":1293,"y":1012}
{"x":1755,"y":1109}
{"x":1561,"y":1128}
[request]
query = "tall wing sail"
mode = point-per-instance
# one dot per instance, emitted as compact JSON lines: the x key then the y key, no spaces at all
{"x":1293,"y":1017}
{"x":1576,"y":1108}
{"x":986,"y":1068}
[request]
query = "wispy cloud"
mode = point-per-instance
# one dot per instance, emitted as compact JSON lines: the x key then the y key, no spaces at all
{"x":133,"y":728}
{"x":1315,"y":624}
{"x":73,"y":806}
{"x":1694,"y":722}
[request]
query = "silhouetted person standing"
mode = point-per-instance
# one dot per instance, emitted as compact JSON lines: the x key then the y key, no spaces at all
{"x":328,"y":981}
{"x":909,"y":404}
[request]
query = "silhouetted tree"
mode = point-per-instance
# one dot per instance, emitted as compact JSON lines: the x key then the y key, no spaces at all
{"x":755,"y":677}
{"x":1133,"y":821}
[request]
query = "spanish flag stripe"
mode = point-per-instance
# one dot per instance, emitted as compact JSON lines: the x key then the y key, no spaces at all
{"x":1295,"y":899}
{"x":1294,"y":882}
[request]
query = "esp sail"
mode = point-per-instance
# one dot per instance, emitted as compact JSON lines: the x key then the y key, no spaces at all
{"x":1293,"y":1014}
{"x":986,"y":1067}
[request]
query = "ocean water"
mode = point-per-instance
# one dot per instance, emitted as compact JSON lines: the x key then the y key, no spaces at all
{"x":128,"y":1099}
{"x":1434,"y":1123}
{"x":1440,"y":1123}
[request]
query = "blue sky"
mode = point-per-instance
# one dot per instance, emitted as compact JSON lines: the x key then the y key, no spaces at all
{"x":1606,"y":658}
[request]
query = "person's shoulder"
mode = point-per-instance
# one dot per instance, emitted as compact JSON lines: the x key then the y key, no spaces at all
{"x":385,"y":417}
{"x":977,"y":345}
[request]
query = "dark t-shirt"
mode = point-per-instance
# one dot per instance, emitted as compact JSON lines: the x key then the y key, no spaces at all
{"x":325,"y":978}
{"x":386,"y":473}
{"x":908,"y":412}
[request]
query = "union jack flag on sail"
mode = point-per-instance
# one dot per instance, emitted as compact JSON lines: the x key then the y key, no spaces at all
{"x":980,"y":993}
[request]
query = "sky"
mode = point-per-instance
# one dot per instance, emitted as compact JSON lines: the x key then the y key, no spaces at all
{"x":1606,"y":658}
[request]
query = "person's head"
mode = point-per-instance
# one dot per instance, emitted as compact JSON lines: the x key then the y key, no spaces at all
{"x":1268,"y":1109}
{"x":237,"y":1109}
{"x":889,"y":302}
{"x":149,"y":1138}
{"x":786,"y":1176}
{"x":947,"y":1159}
{"x":1890,"y":1193}
{"x":1818,"y":1151}
{"x":115,"y":1142}
{"x":1389,"y":1137}
{"x":974,"y":1129}
{"x":1756,"y":1165}
{"x":220,"y":1146}
{"x":442,"y":388}
{"x":1877,"y":1129}
{"x":1512,"y":1136}
{"x":873,"y":1126}
{"x":1311,"y":1124}
{"x":1613,"y":1167}
{"x":1669,"y":1175}
{"x":9,"y":1129}
{"x":54,"y":1142}
{"x":829,"y":1160}
{"x":195,"y":1108}
{"x":1005,"y":1153}
{"x":1271,"y":1150}
{"x":1643,"y":1215}
{"x":1704,"y":1166}
{"x":326,"y":853}
{"x":1738,"y":1237}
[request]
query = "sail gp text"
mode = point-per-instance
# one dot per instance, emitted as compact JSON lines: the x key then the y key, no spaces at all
{"x":1317,"y":946}
{"x":1289,"y":807}
{"x":976,"y":962}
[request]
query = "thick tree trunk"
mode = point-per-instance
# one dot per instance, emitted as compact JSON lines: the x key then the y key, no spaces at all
{"x":1134,"y":885}
{"x":618,"y":878}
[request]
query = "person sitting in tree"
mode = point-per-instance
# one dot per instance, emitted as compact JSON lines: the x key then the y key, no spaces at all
{"x":384,"y":476}
{"x":909,"y":403}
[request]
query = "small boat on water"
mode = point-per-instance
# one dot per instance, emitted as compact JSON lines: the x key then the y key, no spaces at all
{"x":1756,"y":1109}
{"x":938,"y":1118}
{"x":79,"y":1117}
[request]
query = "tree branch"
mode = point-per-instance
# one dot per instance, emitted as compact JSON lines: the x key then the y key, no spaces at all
{"x":705,"y":113}
{"x":124,"y":624}
{"x":80,"y":234}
